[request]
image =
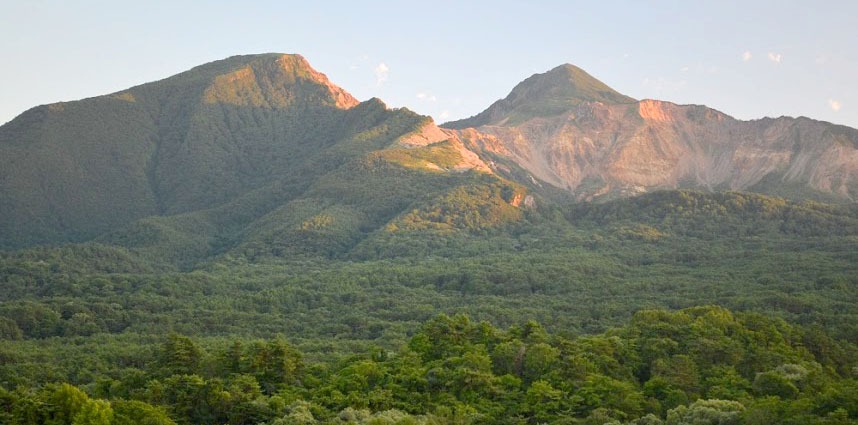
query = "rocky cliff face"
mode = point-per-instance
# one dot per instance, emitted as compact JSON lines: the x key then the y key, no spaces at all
{"x":611,"y":145}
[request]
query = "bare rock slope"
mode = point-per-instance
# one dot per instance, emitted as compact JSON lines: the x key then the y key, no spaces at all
{"x":569,"y":130}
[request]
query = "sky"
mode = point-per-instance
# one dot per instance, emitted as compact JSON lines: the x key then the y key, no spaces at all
{"x":452,"y":59}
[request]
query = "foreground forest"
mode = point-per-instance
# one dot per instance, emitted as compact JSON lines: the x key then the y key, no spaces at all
{"x":673,"y":307}
{"x":701,"y":365}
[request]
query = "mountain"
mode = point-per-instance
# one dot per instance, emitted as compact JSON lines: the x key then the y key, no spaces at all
{"x":174,"y":236}
{"x":253,"y":150}
{"x":544,"y":95}
{"x":573,"y":132}
{"x":261,"y":155}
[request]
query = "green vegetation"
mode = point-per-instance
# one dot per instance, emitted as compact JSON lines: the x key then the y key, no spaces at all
{"x":95,"y":332}
{"x":227,"y":141}
{"x":252,"y":250}
{"x":701,"y":365}
{"x":437,"y":156}
{"x":315,"y":275}
{"x":553,"y":93}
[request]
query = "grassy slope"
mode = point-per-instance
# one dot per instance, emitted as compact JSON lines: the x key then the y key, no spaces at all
{"x":552,"y":93}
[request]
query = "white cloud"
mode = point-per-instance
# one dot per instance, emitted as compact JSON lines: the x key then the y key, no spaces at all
{"x":834,"y":104}
{"x":775,"y":57}
{"x":747,"y":56}
{"x":426,"y":97}
{"x":444,"y":115}
{"x":381,"y":73}
{"x":684,"y":69}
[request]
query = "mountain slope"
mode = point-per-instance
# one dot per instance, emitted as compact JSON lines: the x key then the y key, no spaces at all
{"x":200,"y":156}
{"x":596,"y":143}
{"x":72,"y":170}
{"x":544,"y":95}
{"x":264,"y":155}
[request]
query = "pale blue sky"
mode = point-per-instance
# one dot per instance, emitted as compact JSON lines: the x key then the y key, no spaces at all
{"x":451,"y":59}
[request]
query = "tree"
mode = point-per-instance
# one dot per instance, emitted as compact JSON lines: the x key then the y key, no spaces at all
{"x":543,"y":401}
{"x":680,"y":371}
{"x":508,"y":358}
{"x":299,"y":414}
{"x":273,"y":363}
{"x":602,"y":391}
{"x":9,"y":330}
{"x":35,"y":320}
{"x":707,"y":412}
{"x":65,"y":402}
{"x":94,"y":412}
{"x":774,"y":383}
{"x":133,"y":412}
{"x":179,"y":356}
{"x":191,"y":399}
{"x":539,"y":359}
{"x":725,"y":383}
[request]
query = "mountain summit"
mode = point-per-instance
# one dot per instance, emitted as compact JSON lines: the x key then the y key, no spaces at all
{"x":256,"y":151}
{"x":72,"y":170}
{"x":545,"y":95}
{"x":571,"y":131}
{"x":272,"y":80}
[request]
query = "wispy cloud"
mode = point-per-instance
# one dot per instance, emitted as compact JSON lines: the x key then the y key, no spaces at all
{"x":747,"y":56}
{"x":775,"y":57}
{"x":444,"y":115}
{"x":426,"y":97}
{"x":834,"y":104}
{"x":381,"y":73}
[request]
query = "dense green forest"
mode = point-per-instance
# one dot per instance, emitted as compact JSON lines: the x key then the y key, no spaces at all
{"x":584,"y":313}
{"x":702,"y":365}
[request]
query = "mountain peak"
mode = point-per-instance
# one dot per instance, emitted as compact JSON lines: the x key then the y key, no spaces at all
{"x":567,"y":69}
{"x":544,"y":95}
{"x":267,"y":80}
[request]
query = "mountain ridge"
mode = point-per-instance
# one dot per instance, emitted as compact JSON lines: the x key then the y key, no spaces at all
{"x":192,"y":165}
{"x":199,"y":158}
{"x":597,"y":149}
